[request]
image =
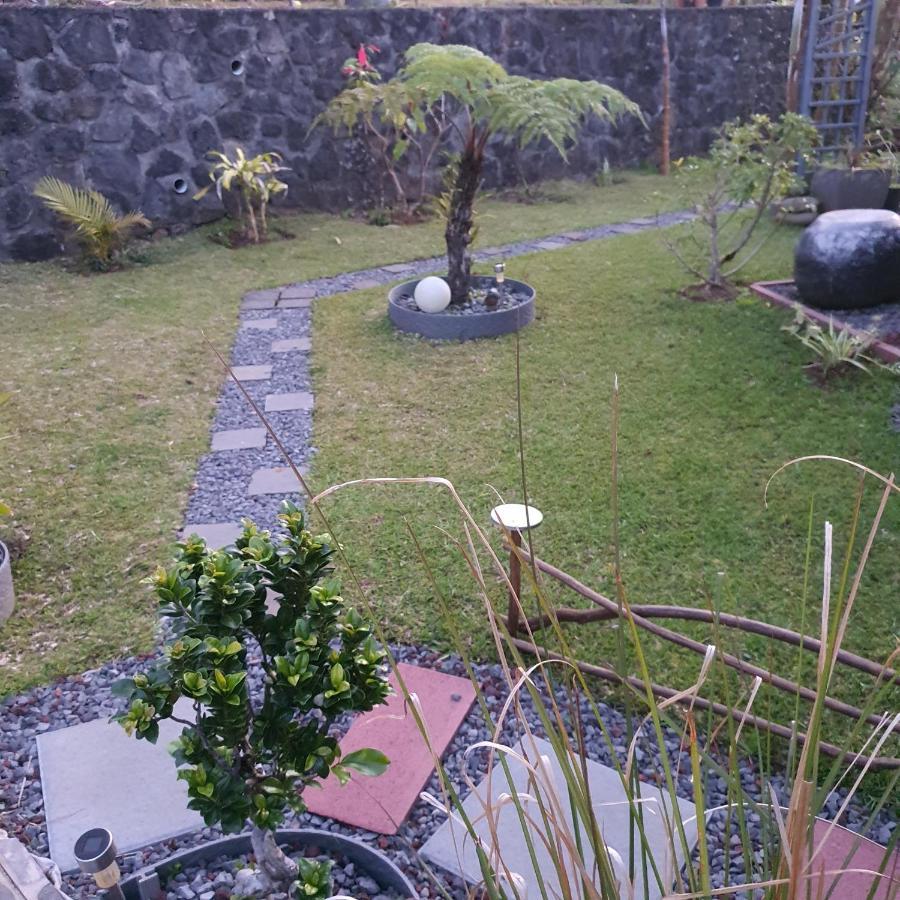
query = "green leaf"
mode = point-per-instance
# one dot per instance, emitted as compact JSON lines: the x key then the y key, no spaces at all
{"x":366,"y":761}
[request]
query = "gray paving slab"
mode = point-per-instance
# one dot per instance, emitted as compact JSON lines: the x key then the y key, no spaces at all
{"x":297,"y":292}
{"x":260,"y":324}
{"x":398,"y":267}
{"x":365,"y":283}
{"x":94,"y":774}
{"x":239,"y":439}
{"x":301,"y":345}
{"x":277,"y":480}
{"x":295,"y":303}
{"x":574,"y":235}
{"x":450,"y":848}
{"x":551,"y":245}
{"x":289,"y":401}
{"x":216,"y":534}
{"x":257,"y":304}
{"x":252,"y":373}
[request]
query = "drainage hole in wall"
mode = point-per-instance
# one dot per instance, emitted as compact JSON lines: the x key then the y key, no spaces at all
{"x":237,"y":67}
{"x":179,"y":185}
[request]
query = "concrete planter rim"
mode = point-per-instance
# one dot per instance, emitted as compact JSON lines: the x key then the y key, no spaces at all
{"x":7,"y":593}
{"x":455,"y":327}
{"x":372,"y":861}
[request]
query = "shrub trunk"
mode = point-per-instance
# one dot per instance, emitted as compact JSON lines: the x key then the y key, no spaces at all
{"x":274,"y":864}
{"x":459,"y":222}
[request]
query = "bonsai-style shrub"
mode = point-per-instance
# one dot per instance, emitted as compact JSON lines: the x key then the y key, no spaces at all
{"x":247,"y":755}
{"x":254,"y":181}
{"x":751,"y":164}
{"x":100,"y":231}
{"x":477,"y":100}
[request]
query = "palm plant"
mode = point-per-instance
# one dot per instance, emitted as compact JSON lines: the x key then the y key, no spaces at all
{"x":99,"y":229}
{"x":477,"y":100}
{"x":254,"y":180}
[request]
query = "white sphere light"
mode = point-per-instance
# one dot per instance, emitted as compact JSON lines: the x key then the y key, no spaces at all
{"x":432,"y":294}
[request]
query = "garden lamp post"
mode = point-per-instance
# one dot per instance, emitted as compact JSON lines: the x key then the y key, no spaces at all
{"x":95,"y":852}
{"x":515,"y":518}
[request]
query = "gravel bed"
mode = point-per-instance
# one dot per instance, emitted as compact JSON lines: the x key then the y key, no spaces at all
{"x":86,"y":697}
{"x":883,"y":321}
{"x":508,"y":299}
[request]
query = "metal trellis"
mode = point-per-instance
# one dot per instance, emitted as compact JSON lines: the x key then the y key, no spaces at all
{"x":837,"y":71}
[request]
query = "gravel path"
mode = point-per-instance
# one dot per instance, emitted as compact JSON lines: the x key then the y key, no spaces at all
{"x":220,"y":496}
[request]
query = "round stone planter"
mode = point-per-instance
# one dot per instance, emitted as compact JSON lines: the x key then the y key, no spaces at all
{"x":376,"y":865}
{"x":445,"y":326}
{"x":7,"y":595}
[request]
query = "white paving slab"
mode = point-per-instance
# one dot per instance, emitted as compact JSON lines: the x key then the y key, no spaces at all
{"x":606,"y":789}
{"x":252,"y":373}
{"x":260,"y":324}
{"x":93,"y":775}
{"x":239,"y":439}
{"x":277,"y":480}
{"x":289,"y":401}
{"x":216,"y":534}
{"x":289,"y":345}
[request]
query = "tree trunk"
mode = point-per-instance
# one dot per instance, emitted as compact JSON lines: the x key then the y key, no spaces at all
{"x":459,"y":222}
{"x":664,"y":151}
{"x":274,"y":865}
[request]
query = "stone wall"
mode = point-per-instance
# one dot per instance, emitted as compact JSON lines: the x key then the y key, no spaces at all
{"x":129,"y":100}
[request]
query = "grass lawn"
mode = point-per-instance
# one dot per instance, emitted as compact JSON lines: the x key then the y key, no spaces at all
{"x":113,"y":395}
{"x":713,"y":400}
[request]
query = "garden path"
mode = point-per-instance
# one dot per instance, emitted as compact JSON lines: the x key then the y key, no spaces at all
{"x":245,"y":474}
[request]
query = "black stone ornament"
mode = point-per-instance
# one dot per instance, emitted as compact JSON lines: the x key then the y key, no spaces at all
{"x":849,"y":259}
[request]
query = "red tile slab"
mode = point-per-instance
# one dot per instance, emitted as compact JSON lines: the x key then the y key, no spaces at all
{"x":868,"y":855}
{"x":381,"y":804}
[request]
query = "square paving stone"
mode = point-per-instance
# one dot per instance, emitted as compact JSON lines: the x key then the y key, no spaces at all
{"x":239,"y":439}
{"x":575,"y":235}
{"x":94,"y":774}
{"x":216,"y":534}
{"x":551,"y":245}
{"x":297,"y":292}
{"x":286,"y":346}
{"x":381,"y":804}
{"x":289,"y":401}
{"x":840,"y":844}
{"x":252,"y":373}
{"x":295,"y":303}
{"x":259,"y":300}
{"x":397,"y":267}
{"x":260,"y":324}
{"x":277,"y":480}
{"x":365,"y":283}
{"x":451,"y":848}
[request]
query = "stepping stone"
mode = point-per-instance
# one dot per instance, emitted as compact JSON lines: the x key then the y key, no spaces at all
{"x":289,"y":401}
{"x":295,"y":303}
{"x":365,"y":284}
{"x":839,"y":844}
{"x":94,"y":774}
{"x":297,"y":292}
{"x":216,"y":534}
{"x":301,"y":344}
{"x":239,"y":439}
{"x":397,"y":267}
{"x":278,"y":480}
{"x":260,"y":299}
{"x":381,"y":804}
{"x":252,"y":373}
{"x":575,"y":235}
{"x":260,"y":324}
{"x":606,"y":790}
{"x":551,"y":245}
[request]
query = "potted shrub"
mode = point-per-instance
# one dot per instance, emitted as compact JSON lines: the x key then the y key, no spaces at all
{"x":862,"y":184}
{"x":484,"y":102}
{"x":248,"y":755}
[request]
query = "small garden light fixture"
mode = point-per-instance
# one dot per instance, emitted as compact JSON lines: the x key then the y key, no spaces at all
{"x":499,"y":274}
{"x":515,"y":518}
{"x":95,"y":852}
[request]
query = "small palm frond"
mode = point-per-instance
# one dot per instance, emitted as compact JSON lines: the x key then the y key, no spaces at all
{"x":99,"y":228}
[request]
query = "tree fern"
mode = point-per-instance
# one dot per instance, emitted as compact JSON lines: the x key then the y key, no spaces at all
{"x":100,"y":230}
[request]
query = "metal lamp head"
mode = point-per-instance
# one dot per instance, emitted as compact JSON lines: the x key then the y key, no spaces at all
{"x":499,"y":273}
{"x":95,"y":852}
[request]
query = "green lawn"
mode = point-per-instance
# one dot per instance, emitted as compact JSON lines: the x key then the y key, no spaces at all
{"x":713,"y":400}
{"x":113,"y":395}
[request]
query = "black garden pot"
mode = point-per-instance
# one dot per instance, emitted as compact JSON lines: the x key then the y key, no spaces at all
{"x":444,"y":326}
{"x":145,"y":884}
{"x":850,"y":188}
